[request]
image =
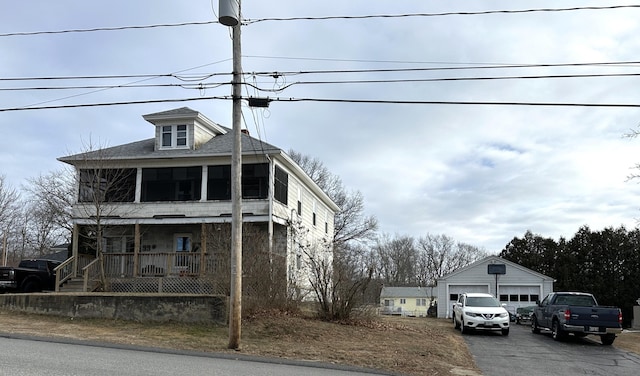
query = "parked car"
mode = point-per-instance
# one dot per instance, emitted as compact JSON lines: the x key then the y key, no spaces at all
{"x":29,"y":276}
{"x":523,"y":314}
{"x":480,"y":311}
{"x":577,"y":313}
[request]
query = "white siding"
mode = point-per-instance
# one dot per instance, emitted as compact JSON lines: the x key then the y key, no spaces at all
{"x":475,"y":278}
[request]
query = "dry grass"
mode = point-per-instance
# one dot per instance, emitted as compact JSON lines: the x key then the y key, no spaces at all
{"x":410,"y":346}
{"x":629,"y":341}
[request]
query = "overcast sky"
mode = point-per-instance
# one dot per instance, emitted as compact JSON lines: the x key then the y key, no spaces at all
{"x":481,"y":174}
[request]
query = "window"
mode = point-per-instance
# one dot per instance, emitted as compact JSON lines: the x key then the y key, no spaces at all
{"x":421,"y":302}
{"x":326,"y":228}
{"x":219,"y":183}
{"x":107,"y":185}
{"x":118,"y":244}
{"x":524,"y":298}
{"x":174,"y":136}
{"x":513,"y":297}
{"x":403,"y":301}
{"x":299,"y":207}
{"x":255,"y":181}
{"x":534,"y":297}
{"x":171,"y":184}
{"x":281,"y":186}
{"x":313,"y":217}
{"x":182,"y":242}
{"x":389,"y":302}
{"x":504,"y":297}
{"x":453,"y":297}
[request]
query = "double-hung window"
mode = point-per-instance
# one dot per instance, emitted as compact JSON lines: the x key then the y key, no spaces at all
{"x":174,"y":136}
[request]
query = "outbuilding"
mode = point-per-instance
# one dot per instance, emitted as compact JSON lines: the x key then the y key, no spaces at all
{"x":513,"y":284}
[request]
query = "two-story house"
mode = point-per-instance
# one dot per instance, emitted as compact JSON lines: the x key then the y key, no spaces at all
{"x":155,"y":215}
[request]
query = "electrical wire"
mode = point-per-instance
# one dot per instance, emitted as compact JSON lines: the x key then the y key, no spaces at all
{"x":336,"y":100}
{"x":258,"y":20}
{"x":116,"y":28}
{"x":475,"y":13}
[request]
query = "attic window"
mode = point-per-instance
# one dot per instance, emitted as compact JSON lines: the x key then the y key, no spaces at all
{"x":174,"y":136}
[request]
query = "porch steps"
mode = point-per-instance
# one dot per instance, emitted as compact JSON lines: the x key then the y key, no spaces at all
{"x":75,"y":285}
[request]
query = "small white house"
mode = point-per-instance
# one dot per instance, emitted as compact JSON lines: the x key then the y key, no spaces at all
{"x":514,"y":285}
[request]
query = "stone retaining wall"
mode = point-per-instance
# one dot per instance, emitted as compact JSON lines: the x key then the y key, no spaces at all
{"x":135,"y":307}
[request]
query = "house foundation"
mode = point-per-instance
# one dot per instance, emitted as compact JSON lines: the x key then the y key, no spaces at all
{"x":133,"y":307}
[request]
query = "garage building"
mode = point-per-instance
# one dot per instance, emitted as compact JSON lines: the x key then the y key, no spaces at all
{"x":515,"y":285}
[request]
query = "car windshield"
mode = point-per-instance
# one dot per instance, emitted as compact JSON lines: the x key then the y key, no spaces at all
{"x":482,"y":301}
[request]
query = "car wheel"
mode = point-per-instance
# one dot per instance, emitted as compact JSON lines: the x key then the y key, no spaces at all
{"x":556,"y":331}
{"x":535,"y":329}
{"x":463,"y":328}
{"x":607,"y":339}
{"x":505,"y":332}
{"x":31,"y":286}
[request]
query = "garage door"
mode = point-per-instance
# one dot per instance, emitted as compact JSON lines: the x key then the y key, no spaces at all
{"x":456,"y":290}
{"x":518,"y":296}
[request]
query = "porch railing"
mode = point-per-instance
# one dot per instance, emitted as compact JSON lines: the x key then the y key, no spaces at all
{"x":64,"y":272}
{"x":91,"y":275}
{"x":154,"y":264}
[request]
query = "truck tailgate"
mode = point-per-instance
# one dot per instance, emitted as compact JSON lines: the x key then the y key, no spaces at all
{"x":594,"y":317}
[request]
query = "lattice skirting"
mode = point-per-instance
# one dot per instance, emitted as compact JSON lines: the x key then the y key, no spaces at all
{"x":165,"y":285}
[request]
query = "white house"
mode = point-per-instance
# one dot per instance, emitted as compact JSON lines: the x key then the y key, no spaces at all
{"x":164,"y":208}
{"x":514,"y":285}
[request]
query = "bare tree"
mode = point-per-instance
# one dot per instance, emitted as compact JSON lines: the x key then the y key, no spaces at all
{"x":440,"y":255}
{"x":351,"y":224}
{"x":101,"y":182}
{"x":396,"y":260}
{"x":54,"y":194}
{"x":341,"y":270}
{"x":9,"y":208}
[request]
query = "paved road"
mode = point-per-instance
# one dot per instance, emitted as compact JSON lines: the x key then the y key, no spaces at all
{"x":524,"y":353}
{"x":28,"y":357}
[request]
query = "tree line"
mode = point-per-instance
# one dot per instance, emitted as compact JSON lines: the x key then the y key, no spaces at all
{"x":605,"y":263}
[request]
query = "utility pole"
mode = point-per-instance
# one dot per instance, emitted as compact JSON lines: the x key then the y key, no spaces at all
{"x":229,"y":11}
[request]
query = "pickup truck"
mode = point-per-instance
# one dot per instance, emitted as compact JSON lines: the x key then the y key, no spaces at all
{"x":577,"y":313}
{"x":29,"y":276}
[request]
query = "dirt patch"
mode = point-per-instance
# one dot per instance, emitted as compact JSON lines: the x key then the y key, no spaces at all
{"x":410,"y":346}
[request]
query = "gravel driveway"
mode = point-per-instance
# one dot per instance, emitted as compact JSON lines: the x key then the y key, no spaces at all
{"x":524,"y":353}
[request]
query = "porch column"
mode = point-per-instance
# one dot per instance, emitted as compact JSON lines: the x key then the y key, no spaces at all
{"x":203,"y":249}
{"x":74,"y":249}
{"x":136,"y":248}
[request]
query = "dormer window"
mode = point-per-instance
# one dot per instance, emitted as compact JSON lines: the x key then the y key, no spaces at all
{"x":174,"y":136}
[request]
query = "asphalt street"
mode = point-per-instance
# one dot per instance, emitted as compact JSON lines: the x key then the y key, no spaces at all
{"x":525,"y":353}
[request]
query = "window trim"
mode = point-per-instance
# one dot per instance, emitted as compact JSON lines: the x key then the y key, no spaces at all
{"x":178,"y":136}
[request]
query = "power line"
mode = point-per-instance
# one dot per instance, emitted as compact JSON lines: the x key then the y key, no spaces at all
{"x":116,"y":28}
{"x":336,"y":100}
{"x":250,"y":21}
{"x":211,"y":85}
{"x":253,"y":21}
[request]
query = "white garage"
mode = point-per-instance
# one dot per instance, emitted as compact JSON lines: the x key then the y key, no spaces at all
{"x":514,"y":285}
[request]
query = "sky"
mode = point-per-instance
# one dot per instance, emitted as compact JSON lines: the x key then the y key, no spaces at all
{"x":426,"y":157}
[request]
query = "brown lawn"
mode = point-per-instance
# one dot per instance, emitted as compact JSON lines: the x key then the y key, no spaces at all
{"x":410,"y":346}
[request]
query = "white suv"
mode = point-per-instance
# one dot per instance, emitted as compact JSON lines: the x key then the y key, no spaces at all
{"x":480,"y":311}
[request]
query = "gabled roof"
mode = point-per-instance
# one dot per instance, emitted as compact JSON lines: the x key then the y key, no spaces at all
{"x":495,"y":259}
{"x":404,"y":292}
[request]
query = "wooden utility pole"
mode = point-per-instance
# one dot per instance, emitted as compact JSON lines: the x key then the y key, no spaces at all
{"x":230,"y":16}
